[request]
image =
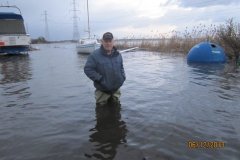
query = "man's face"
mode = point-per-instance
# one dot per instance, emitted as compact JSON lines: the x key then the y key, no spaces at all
{"x":108,"y":44}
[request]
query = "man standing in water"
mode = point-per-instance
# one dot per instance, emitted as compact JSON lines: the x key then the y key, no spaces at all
{"x":105,"y":68}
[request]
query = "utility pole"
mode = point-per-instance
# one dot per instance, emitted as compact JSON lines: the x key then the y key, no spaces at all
{"x":46,"y":26}
{"x":75,"y":22}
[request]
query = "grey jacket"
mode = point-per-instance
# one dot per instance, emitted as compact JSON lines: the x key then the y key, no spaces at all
{"x":106,"y":71}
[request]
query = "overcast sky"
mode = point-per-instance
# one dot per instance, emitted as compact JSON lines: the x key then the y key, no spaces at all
{"x":125,"y":18}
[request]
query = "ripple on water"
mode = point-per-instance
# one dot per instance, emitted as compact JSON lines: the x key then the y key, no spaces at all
{"x":47,"y":108}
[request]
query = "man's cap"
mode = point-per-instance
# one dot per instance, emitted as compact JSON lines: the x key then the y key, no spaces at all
{"x":107,"y":36}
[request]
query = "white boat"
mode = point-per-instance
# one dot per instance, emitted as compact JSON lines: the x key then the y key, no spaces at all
{"x":87,"y":45}
{"x":13,"y":36}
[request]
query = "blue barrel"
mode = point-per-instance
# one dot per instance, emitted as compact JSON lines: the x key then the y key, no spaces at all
{"x":206,"y":52}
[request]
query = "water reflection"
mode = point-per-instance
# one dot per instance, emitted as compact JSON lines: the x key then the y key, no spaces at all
{"x":215,"y":76}
{"x":203,"y":70}
{"x":14,"y":68}
{"x":109,"y":132}
{"x":82,"y":59}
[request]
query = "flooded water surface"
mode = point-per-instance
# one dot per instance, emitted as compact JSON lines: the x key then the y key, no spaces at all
{"x":170,"y":110}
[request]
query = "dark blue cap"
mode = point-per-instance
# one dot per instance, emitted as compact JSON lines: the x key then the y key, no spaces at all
{"x":107,"y":36}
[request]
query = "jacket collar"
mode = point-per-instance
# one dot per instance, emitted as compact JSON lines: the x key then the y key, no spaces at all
{"x":114,"y":51}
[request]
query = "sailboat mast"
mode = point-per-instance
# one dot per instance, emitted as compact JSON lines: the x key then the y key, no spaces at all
{"x":88,"y":20}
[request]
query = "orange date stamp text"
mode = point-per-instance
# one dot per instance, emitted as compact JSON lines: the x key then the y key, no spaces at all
{"x":205,"y":144}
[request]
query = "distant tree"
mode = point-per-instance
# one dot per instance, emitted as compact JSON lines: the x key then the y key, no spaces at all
{"x":39,"y":40}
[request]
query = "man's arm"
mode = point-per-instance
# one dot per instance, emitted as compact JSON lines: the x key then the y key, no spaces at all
{"x":122,"y":68}
{"x":90,"y":69}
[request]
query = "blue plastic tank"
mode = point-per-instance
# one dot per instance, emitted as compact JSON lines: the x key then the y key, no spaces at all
{"x":206,"y":52}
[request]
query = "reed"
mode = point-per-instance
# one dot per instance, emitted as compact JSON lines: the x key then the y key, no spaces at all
{"x":226,"y":35}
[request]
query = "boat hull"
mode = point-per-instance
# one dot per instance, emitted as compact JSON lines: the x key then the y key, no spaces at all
{"x":14,"y":44}
{"x":14,"y":50}
{"x":87,"y":48}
